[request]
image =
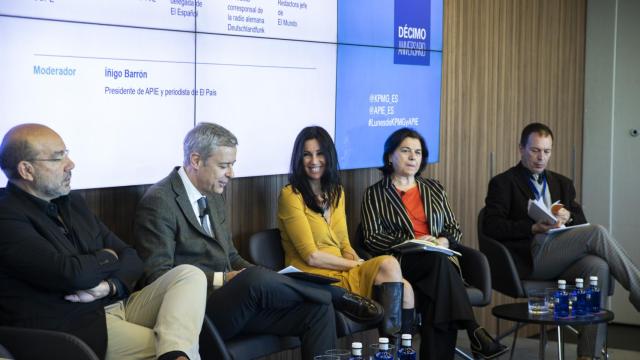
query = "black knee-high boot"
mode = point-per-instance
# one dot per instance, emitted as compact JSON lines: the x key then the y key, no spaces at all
{"x":389,"y":295}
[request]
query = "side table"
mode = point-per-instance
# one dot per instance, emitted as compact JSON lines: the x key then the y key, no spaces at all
{"x":519,"y":313}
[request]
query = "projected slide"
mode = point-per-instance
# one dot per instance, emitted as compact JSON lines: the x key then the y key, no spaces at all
{"x":313,"y":20}
{"x":377,"y":96}
{"x":391,"y":23}
{"x":265,"y":95}
{"x":160,"y":14}
{"x":124,"y":80}
{"x":118,"y":95}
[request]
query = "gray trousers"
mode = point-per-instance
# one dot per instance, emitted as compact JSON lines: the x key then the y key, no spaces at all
{"x":583,"y":252}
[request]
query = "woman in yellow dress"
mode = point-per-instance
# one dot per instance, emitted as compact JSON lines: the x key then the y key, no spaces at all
{"x":313,"y":227}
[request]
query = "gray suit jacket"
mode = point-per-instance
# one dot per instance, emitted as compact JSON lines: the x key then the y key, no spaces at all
{"x":167,"y":233}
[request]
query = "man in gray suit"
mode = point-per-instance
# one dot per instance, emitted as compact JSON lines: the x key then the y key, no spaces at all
{"x":182,"y":220}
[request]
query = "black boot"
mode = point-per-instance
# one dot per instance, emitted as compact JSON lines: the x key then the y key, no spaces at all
{"x":484,"y":346}
{"x":389,"y":295}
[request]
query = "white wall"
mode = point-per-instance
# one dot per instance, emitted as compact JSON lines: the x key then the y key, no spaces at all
{"x":611,"y":169}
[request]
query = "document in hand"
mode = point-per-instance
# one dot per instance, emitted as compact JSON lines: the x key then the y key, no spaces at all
{"x":296,"y":273}
{"x":415,"y":245}
{"x":539,"y":212}
{"x":564,"y":228}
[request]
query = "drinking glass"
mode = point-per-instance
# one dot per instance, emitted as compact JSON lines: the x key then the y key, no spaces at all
{"x":538,"y":301}
{"x":342,"y":354}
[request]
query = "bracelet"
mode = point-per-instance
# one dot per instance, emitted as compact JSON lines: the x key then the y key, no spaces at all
{"x":112,"y":287}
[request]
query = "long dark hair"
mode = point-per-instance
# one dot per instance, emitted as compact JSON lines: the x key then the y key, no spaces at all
{"x":392,"y":143}
{"x":330,"y":180}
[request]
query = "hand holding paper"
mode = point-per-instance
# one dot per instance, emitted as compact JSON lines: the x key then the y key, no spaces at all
{"x":546,"y":221}
{"x":539,"y":212}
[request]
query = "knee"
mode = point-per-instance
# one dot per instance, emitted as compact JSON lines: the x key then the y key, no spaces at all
{"x":408,"y":289}
{"x":599,"y":232}
{"x":256,"y":277}
{"x":190,"y":273}
{"x":390,"y":265}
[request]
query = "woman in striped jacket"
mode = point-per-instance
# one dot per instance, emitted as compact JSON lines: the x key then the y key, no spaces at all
{"x":404,"y":206}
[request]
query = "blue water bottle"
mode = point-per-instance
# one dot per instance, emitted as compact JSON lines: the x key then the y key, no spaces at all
{"x":356,"y":351}
{"x":383,"y":350}
{"x":593,"y":295}
{"x":406,"y":352}
{"x":561,"y":300}
{"x":579,"y":299}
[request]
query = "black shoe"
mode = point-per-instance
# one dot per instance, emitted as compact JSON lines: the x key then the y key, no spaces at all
{"x":359,"y":308}
{"x":484,"y":346}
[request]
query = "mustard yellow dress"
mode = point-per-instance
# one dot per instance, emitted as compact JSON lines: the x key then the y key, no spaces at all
{"x":305,"y":231}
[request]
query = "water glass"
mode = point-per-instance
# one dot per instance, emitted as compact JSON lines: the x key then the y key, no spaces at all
{"x":538,"y":302}
{"x":342,"y":354}
{"x":326,"y":357}
{"x":551,"y":294}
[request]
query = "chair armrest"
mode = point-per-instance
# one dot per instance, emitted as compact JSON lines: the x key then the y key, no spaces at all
{"x":212,"y":347}
{"x":26,"y":343}
{"x":476,"y":271}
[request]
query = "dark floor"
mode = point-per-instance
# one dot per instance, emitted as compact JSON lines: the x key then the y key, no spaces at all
{"x":620,"y":336}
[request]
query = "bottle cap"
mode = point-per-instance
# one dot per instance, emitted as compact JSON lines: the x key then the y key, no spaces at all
{"x":579,"y":280}
{"x":406,"y":336}
{"x":356,"y":345}
{"x":593,"y":278}
{"x":562,"y":282}
{"x":383,"y":340}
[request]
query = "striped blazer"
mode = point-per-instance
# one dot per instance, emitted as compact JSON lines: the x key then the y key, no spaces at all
{"x":385,"y":221}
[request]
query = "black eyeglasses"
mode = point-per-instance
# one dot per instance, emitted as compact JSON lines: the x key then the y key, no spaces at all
{"x":63,"y":155}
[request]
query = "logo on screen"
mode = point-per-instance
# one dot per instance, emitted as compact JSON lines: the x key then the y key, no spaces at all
{"x":412,"y":33}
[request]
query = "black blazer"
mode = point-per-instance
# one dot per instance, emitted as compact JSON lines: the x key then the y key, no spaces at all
{"x":506,"y":218}
{"x":39,"y":265}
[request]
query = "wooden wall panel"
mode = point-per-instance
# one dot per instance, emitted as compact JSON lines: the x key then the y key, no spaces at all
{"x":506,"y":63}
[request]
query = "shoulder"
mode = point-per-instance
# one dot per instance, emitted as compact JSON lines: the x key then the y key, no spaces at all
{"x":10,"y":206}
{"x":288,"y":195}
{"x":287,"y":192}
{"x":78,"y":203}
{"x":431,"y":183}
{"x":505,"y":177}
{"x":160,"y":193}
{"x":378,"y":186}
{"x":560,"y":178}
